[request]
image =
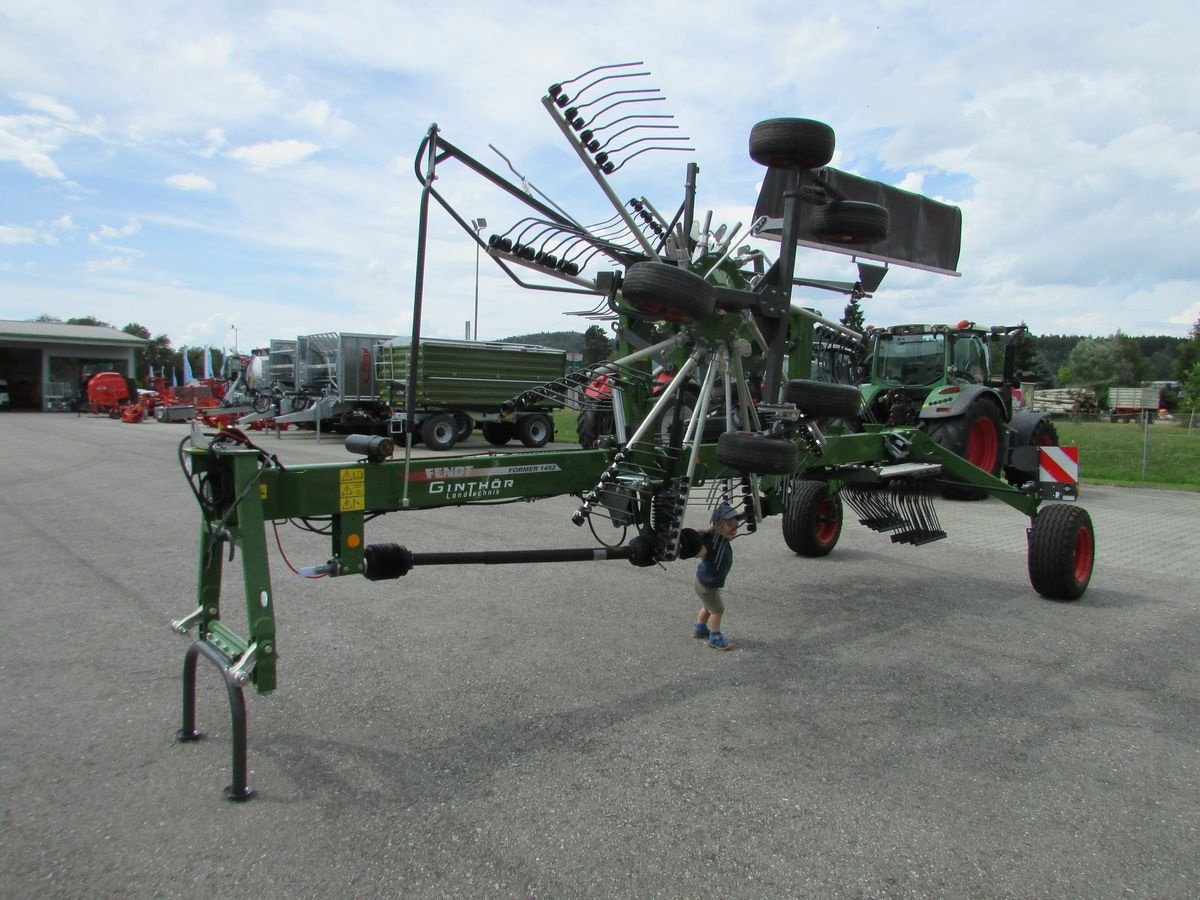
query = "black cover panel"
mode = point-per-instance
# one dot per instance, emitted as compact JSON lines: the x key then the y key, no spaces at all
{"x":923,"y":233}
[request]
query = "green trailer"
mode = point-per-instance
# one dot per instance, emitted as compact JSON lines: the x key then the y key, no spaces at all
{"x":464,"y":384}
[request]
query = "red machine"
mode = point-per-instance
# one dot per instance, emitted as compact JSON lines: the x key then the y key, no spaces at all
{"x":108,"y":392}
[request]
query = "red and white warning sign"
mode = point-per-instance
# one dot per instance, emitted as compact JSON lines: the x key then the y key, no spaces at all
{"x":1058,"y":472}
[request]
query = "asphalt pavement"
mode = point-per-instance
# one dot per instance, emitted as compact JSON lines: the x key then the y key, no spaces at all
{"x":895,"y":721}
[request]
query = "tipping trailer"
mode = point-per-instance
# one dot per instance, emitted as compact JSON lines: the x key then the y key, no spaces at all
{"x":461,"y":384}
{"x":671,"y":288}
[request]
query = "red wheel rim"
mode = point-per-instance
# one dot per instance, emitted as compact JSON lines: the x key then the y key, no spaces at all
{"x":827,"y":523}
{"x":982,"y":443}
{"x":1084,"y":552}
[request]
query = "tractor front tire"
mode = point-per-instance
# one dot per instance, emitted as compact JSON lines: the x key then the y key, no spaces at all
{"x":820,"y":398}
{"x":791,"y":143}
{"x":812,"y":519}
{"x":664,"y":292}
{"x":1062,"y":551}
{"x":757,"y":454}
{"x":978,"y":436}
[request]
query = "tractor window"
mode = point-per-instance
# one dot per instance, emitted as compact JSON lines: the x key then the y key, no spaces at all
{"x":910,"y":359}
{"x":969,"y":359}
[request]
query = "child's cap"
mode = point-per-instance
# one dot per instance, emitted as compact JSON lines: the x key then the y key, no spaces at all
{"x":724,"y":511}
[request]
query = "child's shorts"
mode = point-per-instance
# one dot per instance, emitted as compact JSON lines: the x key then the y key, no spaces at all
{"x":711,"y":598}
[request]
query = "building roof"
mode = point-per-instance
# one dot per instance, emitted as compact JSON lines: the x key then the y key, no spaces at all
{"x":32,"y":332}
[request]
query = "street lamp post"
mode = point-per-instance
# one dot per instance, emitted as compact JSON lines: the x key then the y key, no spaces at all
{"x":235,"y":347}
{"x":477,"y":225}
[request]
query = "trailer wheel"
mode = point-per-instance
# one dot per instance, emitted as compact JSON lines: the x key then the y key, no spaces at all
{"x":262,"y":402}
{"x":439,"y":431}
{"x":791,"y":143}
{"x":535,"y":430}
{"x":849,"y":222}
{"x":1062,"y":551}
{"x":463,"y":426}
{"x":820,"y":398}
{"x":662,"y":291}
{"x":978,"y":436}
{"x":757,"y":453}
{"x":497,"y":433}
{"x":812,"y":519}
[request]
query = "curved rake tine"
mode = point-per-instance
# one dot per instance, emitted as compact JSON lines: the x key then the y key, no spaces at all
{"x":617,"y":168}
{"x":617,"y":134}
{"x":572,"y":111}
{"x":563,"y":99}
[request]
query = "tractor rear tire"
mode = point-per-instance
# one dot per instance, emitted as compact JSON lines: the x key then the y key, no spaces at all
{"x":1062,"y":551}
{"x":849,"y":222}
{"x":535,"y":430}
{"x":439,"y":432}
{"x":979,"y":436}
{"x":757,"y":454}
{"x":498,"y":433}
{"x":661,"y":291}
{"x":791,"y":143}
{"x":820,"y":398}
{"x":812,"y":519}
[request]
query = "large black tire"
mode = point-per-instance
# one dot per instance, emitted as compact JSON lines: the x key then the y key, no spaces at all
{"x":1062,"y":551}
{"x":535,"y":430}
{"x":661,"y":291}
{"x":463,"y":426}
{"x":791,"y":143}
{"x":849,"y":222}
{"x":497,"y":433}
{"x":979,"y":436}
{"x":1044,"y":434}
{"x":756,"y":453}
{"x":439,"y":432}
{"x":812,"y":519}
{"x":591,"y":425}
{"x":820,"y":398}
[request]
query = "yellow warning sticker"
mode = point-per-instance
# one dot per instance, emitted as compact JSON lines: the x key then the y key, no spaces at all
{"x":353,"y":490}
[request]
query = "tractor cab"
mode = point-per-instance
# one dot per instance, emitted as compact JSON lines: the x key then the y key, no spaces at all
{"x":909,"y":362}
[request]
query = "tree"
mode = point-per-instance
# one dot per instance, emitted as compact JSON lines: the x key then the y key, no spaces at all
{"x":49,"y":319}
{"x":1189,"y":355}
{"x":157,"y":354}
{"x":596,"y":346}
{"x":852,"y":315}
{"x":1098,"y":363}
{"x":1189,"y":400}
{"x":88,"y":320}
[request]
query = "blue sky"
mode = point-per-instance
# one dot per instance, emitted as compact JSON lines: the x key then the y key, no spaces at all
{"x":220,"y":169}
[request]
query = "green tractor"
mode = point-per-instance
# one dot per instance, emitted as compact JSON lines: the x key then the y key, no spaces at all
{"x":944,"y":380}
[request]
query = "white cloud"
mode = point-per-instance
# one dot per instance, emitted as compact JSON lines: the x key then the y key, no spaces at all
{"x":17,"y":234}
{"x":108,"y":232}
{"x":190,"y":182}
{"x":112,"y":264}
{"x":273,"y":154}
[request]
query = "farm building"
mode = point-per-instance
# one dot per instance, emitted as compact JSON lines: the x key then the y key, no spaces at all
{"x":44,"y":363}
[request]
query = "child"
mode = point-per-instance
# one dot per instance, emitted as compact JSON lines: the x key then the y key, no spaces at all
{"x":716,"y":559}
